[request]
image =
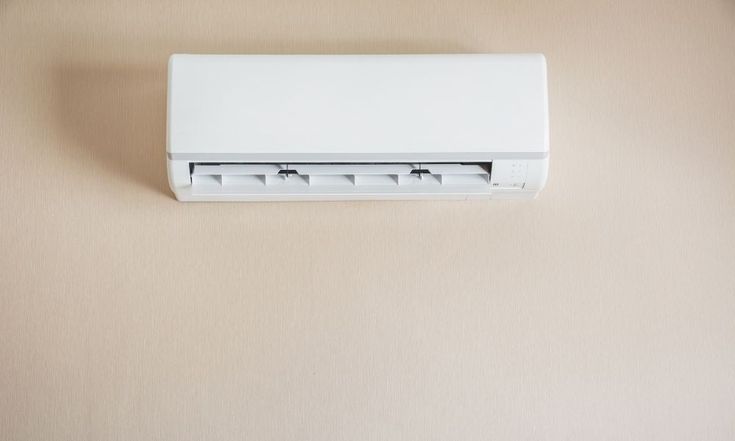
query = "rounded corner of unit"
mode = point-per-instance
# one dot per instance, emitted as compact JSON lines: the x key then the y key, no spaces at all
{"x":178,"y":176}
{"x":170,"y":65}
{"x":173,"y":190}
{"x":172,"y":58}
{"x":178,"y":196}
{"x":178,"y":193}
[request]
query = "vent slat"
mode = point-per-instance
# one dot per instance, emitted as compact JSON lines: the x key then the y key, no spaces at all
{"x":243,"y":179}
{"x":455,"y":169}
{"x":315,"y":179}
{"x":352,"y":169}
{"x":286,"y":180}
{"x":376,"y":179}
{"x":465,"y":179}
{"x":236,"y":169}
{"x":419,"y":179}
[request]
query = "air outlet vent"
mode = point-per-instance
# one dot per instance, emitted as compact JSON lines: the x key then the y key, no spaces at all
{"x":340,"y":175}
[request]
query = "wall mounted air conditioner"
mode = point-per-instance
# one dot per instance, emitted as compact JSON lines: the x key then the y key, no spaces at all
{"x":318,"y":127}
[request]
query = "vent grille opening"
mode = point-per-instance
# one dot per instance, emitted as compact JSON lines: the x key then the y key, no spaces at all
{"x":343,"y":175}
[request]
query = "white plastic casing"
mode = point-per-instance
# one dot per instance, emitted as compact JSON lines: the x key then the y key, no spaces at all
{"x":468,"y":125}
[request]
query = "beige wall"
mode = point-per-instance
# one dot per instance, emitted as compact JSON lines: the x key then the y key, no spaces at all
{"x":603,"y":310}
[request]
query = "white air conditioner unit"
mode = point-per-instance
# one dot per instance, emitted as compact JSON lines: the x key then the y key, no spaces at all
{"x":320,"y":127}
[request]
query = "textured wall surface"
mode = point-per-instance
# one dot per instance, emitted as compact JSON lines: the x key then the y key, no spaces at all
{"x":605,"y":309}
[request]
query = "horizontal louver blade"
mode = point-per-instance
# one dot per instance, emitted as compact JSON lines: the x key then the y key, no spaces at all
{"x":340,"y":175}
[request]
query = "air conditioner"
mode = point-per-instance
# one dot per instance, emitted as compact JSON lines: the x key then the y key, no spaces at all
{"x":324,"y":127}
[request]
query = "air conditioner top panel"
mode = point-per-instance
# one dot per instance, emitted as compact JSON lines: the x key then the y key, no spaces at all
{"x":474,"y":104}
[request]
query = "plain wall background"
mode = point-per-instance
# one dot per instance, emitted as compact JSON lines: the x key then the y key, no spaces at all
{"x":605,"y":309}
